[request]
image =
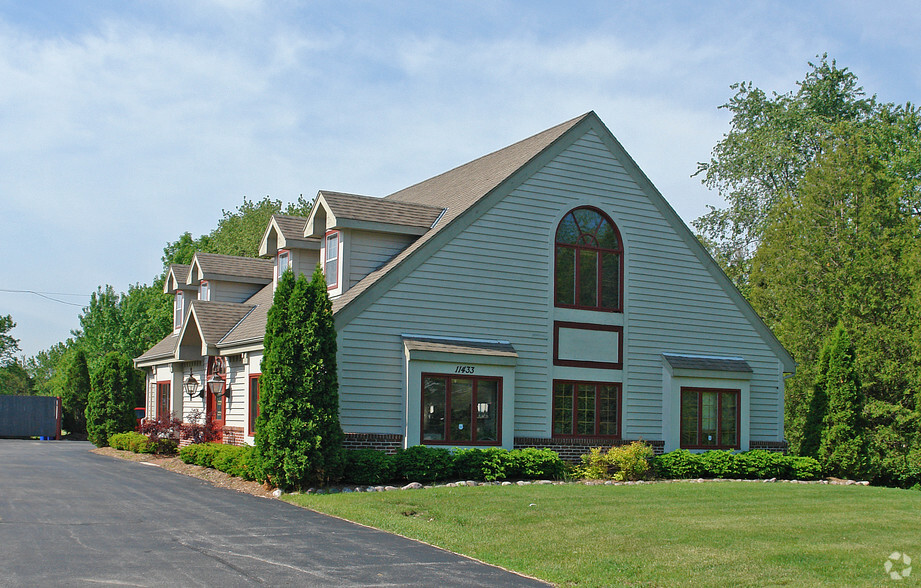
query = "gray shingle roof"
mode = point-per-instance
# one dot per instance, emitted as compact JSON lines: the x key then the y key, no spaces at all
{"x":165,"y":348}
{"x":457,"y":190}
{"x":252,"y":327}
{"x":228,"y":267}
{"x":291,"y":227}
{"x":215,"y":319}
{"x":367,"y":208}
{"x":422,"y":343}
{"x":717,"y":364}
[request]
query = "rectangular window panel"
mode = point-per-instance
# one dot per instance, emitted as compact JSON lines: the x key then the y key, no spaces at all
{"x":163,"y":393}
{"x":607,"y":410}
{"x":588,"y":278}
{"x":253,"y":403}
{"x":565,"y":275}
{"x":332,"y":259}
{"x":461,"y":404}
{"x":728,"y":419}
{"x":487,"y":410}
{"x":610,"y":280}
{"x":434,"y":402}
{"x":708,"y":414}
{"x":177,"y":310}
{"x":585,"y":404}
{"x":688,"y":418}
{"x":562,"y":408}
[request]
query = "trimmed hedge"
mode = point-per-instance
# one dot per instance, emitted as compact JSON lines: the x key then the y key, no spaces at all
{"x":750,"y":465}
{"x":235,"y":460}
{"x":429,"y":464}
{"x":138,"y":443}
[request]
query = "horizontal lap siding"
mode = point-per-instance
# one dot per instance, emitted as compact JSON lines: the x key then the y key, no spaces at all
{"x":673,"y":304}
{"x":369,"y":251}
{"x":500,"y":267}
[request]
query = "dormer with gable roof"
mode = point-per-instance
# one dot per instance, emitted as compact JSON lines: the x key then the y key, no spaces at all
{"x":226,"y":278}
{"x":285,"y":242}
{"x":183,"y":293}
{"x":359,"y":234}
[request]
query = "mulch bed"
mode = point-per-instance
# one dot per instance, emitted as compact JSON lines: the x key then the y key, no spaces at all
{"x":174,"y":464}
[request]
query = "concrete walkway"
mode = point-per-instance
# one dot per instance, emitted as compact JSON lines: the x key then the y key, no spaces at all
{"x":71,"y":517}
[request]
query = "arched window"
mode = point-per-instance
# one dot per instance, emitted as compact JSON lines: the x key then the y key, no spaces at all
{"x":589,"y":261}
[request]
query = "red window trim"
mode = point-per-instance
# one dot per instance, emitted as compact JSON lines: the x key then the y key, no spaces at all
{"x":719,"y":417}
{"x":326,"y":257}
{"x":157,"y":405}
{"x":447,"y":425}
{"x":620,"y":258}
{"x":573,"y":435}
{"x":207,"y":287}
{"x":278,"y":255}
{"x":618,"y":365}
{"x":253,"y":414}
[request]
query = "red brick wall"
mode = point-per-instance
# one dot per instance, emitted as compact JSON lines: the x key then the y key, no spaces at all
{"x":775,"y":446}
{"x":381,"y":442}
{"x":233,"y":435}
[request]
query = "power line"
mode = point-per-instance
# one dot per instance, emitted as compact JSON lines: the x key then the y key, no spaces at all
{"x":46,"y":295}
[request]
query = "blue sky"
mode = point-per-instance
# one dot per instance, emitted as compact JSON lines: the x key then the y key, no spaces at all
{"x":124,"y":124}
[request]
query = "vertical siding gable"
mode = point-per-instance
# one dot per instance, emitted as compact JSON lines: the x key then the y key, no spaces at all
{"x":493,"y":280}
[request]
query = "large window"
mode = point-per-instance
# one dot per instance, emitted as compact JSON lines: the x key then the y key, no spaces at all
{"x":163,"y":390}
{"x":331,"y":264}
{"x":589,"y":262}
{"x":253,"y":402}
{"x":461,"y":410}
{"x":709,"y":418}
{"x":586,"y":409}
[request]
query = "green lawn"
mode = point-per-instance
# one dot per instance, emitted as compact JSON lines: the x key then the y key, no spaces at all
{"x":711,"y":534}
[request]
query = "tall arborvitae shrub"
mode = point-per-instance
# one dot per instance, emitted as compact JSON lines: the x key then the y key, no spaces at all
{"x":818,"y":408}
{"x":75,"y":392}
{"x":298,"y":437}
{"x":842,"y":451}
{"x":110,"y":406}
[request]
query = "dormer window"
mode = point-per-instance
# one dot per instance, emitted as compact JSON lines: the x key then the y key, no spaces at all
{"x":204,"y":291}
{"x":178,"y":309}
{"x":282,"y":263}
{"x":331,"y":263}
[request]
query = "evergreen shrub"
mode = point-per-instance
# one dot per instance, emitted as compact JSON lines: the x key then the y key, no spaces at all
{"x":423,"y":464}
{"x":368,"y":467}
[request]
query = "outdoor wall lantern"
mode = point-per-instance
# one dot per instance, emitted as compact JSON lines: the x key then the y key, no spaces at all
{"x":190,"y":385}
{"x":216,"y":385}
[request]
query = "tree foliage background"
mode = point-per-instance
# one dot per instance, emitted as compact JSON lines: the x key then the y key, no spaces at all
{"x":131,"y":322}
{"x":821,"y":226}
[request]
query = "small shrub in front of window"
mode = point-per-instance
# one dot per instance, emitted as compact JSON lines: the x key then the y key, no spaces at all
{"x":753,"y":465}
{"x":368,"y":467}
{"x":423,"y":464}
{"x":532,"y":463}
{"x":630,"y":462}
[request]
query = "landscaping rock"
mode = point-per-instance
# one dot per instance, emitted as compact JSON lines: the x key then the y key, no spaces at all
{"x":412,"y":486}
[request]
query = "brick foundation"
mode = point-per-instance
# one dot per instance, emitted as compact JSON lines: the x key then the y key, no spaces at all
{"x":382,"y":442}
{"x":775,"y":446}
{"x":233,"y":435}
{"x":571,"y":449}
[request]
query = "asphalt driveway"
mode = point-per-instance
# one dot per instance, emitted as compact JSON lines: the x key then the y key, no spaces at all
{"x":71,"y":517}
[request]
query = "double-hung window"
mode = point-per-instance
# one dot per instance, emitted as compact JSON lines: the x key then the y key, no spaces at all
{"x":331,"y":263}
{"x":178,"y":309}
{"x":282,"y":262}
{"x":204,"y":291}
{"x":461,"y":410}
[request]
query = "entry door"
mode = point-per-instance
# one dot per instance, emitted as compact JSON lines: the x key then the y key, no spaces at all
{"x":216,"y":405}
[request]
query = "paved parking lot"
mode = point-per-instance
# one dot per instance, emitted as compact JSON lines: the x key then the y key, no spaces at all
{"x":71,"y":517}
